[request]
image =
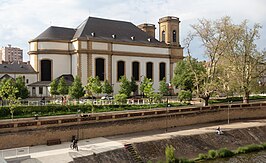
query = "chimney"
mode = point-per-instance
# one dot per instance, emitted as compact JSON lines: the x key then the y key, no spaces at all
{"x":148,"y":28}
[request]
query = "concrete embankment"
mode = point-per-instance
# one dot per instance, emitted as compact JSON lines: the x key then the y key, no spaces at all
{"x":187,"y":144}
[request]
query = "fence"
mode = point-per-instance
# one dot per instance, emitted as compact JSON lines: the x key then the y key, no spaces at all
{"x":15,"y":152}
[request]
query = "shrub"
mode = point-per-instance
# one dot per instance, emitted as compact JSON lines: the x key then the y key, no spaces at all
{"x":212,"y":154}
{"x":121,"y":98}
{"x":263,"y":145}
{"x":184,"y":160}
{"x":202,"y":156}
{"x":184,"y":95}
{"x":170,"y":154}
{"x":249,"y":148}
{"x":224,"y":152}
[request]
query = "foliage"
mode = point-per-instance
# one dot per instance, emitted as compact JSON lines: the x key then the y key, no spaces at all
{"x":184,"y":95}
{"x":224,"y":152}
{"x":133,"y":85}
{"x":107,"y":87}
{"x":93,"y":86}
{"x":121,"y":98}
{"x":164,"y":88}
{"x":183,"y":76}
{"x":212,"y":154}
{"x":8,"y":92}
{"x":202,"y":156}
{"x":53,"y":88}
{"x":170,"y":154}
{"x":23,"y":91}
{"x":148,"y":89}
{"x":62,"y":87}
{"x":125,"y":86}
{"x":249,"y":148}
{"x":76,"y":90}
{"x":144,"y":83}
{"x":157,"y":97}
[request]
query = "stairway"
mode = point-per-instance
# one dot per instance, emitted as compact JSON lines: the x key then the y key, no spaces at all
{"x":133,"y":153}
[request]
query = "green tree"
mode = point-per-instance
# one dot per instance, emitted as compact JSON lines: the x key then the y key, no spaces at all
{"x":245,"y":61}
{"x":133,"y":85}
{"x":76,"y":90}
{"x":53,"y":88}
{"x":164,"y":88}
{"x":23,"y":91}
{"x":125,"y":86}
{"x":143,"y":84}
{"x":121,"y":98}
{"x":184,"y":95}
{"x":183,"y":77}
{"x":149,"y":90}
{"x":8,"y":92}
{"x":94,"y":86}
{"x":62,"y":87}
{"x":107,"y":87}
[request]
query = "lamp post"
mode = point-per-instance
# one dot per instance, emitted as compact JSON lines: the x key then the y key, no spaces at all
{"x":78,"y":120}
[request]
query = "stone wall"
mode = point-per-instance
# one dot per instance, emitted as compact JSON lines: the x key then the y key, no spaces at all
{"x":36,"y":132}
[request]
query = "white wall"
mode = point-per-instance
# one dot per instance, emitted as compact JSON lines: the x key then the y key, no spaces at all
{"x":60,"y":63}
{"x":52,"y":46}
{"x":140,"y":49}
{"x":84,"y":45}
{"x":142,"y":61}
{"x":99,"y":46}
{"x":84,"y":69}
{"x":33,"y":46}
{"x":74,"y":65}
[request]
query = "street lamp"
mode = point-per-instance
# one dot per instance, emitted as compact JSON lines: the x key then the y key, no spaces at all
{"x":78,"y":120}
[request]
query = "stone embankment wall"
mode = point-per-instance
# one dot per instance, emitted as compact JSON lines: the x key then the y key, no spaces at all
{"x":185,"y":146}
{"x":35,"y":132}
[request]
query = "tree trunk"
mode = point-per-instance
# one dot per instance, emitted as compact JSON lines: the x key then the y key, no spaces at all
{"x":246,"y":97}
{"x":206,"y":100}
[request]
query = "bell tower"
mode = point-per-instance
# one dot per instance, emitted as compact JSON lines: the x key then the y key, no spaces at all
{"x":169,"y":30}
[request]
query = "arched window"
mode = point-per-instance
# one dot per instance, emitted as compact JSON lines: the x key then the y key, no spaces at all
{"x":149,"y":70}
{"x":135,"y":70}
{"x":174,"y":36}
{"x":163,"y":36}
{"x":46,"y":70}
{"x":162,"y":71}
{"x":99,"y":68}
{"x":120,"y":69}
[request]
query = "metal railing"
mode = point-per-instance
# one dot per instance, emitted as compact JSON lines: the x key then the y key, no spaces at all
{"x":15,"y":152}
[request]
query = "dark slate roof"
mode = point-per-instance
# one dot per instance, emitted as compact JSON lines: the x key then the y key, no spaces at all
{"x":6,"y":76}
{"x":68,"y":78}
{"x":56,"y":33}
{"x":103,"y":30}
{"x":16,"y":67}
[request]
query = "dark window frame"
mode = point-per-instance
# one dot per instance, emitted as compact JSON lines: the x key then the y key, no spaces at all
{"x":174,"y":35}
{"x":136,"y":74}
{"x":100,"y":71}
{"x":120,"y":70}
{"x":149,"y":70}
{"x":162,"y":72}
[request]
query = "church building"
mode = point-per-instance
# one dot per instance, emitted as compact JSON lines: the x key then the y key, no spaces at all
{"x":108,"y":49}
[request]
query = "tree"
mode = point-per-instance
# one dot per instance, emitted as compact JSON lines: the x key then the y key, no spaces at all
{"x":62,"y":87}
{"x":184,"y":95}
{"x":149,"y":90}
{"x":246,"y":63}
{"x":133,"y":85}
{"x":215,"y":43}
{"x":107,"y":87}
{"x":94,"y":86}
{"x":164,"y":88}
{"x":125,"y":86}
{"x":76,"y":90}
{"x":183,"y":77}
{"x":143,"y":84}
{"x":120,"y":98}
{"x":23,"y":91}
{"x":8,"y":92}
{"x":53,"y":88}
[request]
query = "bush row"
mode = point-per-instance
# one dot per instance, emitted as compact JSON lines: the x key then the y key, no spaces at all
{"x":47,"y":110}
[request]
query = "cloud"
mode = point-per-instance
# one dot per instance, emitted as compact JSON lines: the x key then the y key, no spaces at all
{"x":23,"y":20}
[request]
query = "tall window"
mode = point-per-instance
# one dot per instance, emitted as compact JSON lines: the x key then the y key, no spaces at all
{"x":174,"y":36}
{"x":163,"y":36}
{"x":162,"y":71}
{"x":46,"y":70}
{"x":149,"y":70}
{"x":120,"y":69}
{"x":135,"y":70}
{"x":40,"y":90}
{"x":99,"y":66}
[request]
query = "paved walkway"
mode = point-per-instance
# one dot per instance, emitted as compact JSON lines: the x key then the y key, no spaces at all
{"x":62,"y":153}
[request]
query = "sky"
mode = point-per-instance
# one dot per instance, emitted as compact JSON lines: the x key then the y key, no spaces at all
{"x":23,"y":20}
